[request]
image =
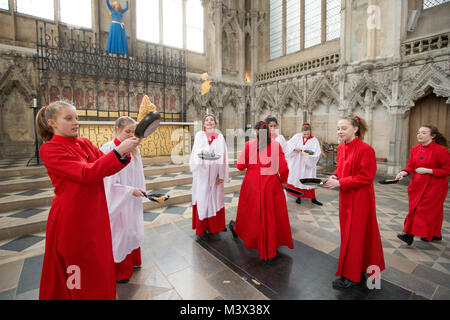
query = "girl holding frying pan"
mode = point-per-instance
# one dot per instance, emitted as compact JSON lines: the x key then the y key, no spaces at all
{"x":78,"y":237}
{"x":360,"y":237}
{"x":429,"y":164}
{"x":124,"y":192}
{"x":262,"y":219}
{"x":208,"y":179}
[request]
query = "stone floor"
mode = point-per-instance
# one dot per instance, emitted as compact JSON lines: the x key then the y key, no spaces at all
{"x":179,"y":265}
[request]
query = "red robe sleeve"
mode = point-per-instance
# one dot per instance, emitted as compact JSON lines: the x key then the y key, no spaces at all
{"x":444,"y":161}
{"x":410,"y":167}
{"x":242,"y":161}
{"x":367,"y":169}
{"x":69,"y":166}
{"x":338,"y":161}
{"x":283,"y":167}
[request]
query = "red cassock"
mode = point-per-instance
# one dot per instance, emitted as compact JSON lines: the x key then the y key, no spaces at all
{"x":262,"y":220}
{"x":360,"y":237}
{"x":427,"y":192}
{"x":78,"y":260}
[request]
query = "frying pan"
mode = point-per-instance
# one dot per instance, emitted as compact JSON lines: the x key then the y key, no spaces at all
{"x":292,"y":191}
{"x":148,"y":125}
{"x":312,"y":182}
{"x":389,"y":181}
{"x":209,"y":156}
{"x":156,"y":197}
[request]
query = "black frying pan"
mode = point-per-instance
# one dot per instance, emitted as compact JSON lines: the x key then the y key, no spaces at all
{"x":388,"y":181}
{"x":312,"y":182}
{"x":292,"y":191}
{"x":156,"y":197}
{"x":148,"y":125}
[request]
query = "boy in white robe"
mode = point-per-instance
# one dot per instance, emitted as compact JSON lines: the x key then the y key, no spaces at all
{"x":303,"y":164}
{"x":124,"y":192}
{"x":208,"y":179}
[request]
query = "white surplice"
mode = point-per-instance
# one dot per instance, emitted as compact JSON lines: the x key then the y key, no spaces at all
{"x":282,"y":141}
{"x":207,"y":194}
{"x":125,"y":210}
{"x":301,"y":166}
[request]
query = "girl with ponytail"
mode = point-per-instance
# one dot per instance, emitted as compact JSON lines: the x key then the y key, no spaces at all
{"x":78,"y":235}
{"x":360,"y":237}
{"x":429,"y":165}
{"x":262,"y":220}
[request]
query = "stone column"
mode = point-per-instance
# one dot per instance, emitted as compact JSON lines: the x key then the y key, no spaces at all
{"x":398,"y":146}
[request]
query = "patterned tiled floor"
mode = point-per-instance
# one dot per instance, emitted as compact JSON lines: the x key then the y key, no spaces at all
{"x":172,"y":258}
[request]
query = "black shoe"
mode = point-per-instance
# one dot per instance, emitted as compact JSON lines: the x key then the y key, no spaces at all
{"x":408,"y":238}
{"x":299,"y":200}
{"x":316,"y":202}
{"x":224,"y":230}
{"x":231,"y":226}
{"x":344,"y":283}
{"x":434,"y":239}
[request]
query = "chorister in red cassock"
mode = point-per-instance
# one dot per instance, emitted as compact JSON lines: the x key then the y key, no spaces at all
{"x":78,"y":234}
{"x":360,"y":237}
{"x":262,"y":220}
{"x":427,"y":192}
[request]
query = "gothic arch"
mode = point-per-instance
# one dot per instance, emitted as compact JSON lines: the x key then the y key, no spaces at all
{"x":428,"y":77}
{"x":323,"y":87}
{"x":356,"y":95}
{"x":291,"y":92}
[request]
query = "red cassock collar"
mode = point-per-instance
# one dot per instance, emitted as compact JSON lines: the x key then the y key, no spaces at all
{"x":117,"y":142}
{"x":305,"y":141}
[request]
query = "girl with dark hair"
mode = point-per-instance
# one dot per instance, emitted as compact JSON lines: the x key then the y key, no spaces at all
{"x":124,"y":193}
{"x":272,"y":123}
{"x":360,"y":237}
{"x":208,"y":179}
{"x":262,"y":219}
{"x":78,"y":238}
{"x":303,"y":164}
{"x":429,"y":165}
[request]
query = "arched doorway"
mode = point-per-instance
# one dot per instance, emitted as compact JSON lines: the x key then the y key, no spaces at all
{"x":429,"y":110}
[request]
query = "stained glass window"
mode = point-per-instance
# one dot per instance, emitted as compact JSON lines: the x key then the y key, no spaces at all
{"x":292,"y":26}
{"x":313,"y":22}
{"x":276,"y":28}
{"x":194,"y":25}
{"x":42,"y":8}
{"x":147,"y":20}
{"x":77,"y":13}
{"x":333,"y":19}
{"x":433,"y":3}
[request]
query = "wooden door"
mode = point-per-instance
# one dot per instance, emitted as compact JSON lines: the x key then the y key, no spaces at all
{"x":429,"y":110}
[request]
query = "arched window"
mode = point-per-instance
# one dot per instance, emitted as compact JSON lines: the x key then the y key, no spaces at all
{"x":77,"y":13}
{"x":194,"y":26}
{"x":147,"y":20}
{"x":42,"y":8}
{"x":433,"y":3}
